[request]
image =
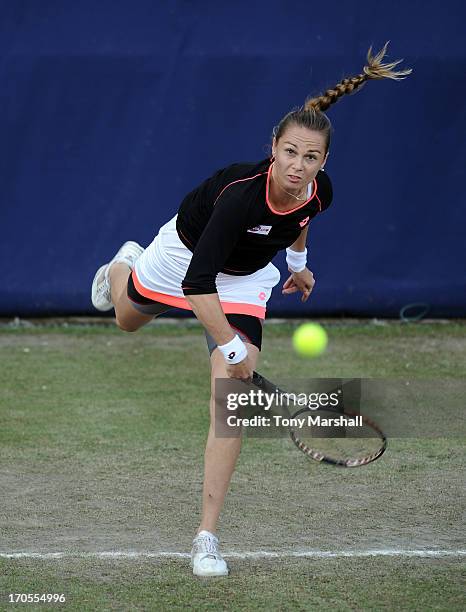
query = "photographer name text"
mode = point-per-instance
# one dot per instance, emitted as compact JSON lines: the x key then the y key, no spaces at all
{"x":297,"y":422}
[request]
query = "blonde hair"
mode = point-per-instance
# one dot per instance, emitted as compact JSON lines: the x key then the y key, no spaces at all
{"x":374,"y":70}
{"x":312,"y":115}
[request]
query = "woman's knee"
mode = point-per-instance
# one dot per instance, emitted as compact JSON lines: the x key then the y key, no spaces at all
{"x":128,"y":325}
{"x":129,"y":319}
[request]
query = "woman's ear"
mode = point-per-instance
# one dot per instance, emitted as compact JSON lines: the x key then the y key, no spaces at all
{"x":325,"y":161}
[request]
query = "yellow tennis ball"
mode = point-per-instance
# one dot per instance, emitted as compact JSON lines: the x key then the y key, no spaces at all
{"x":310,"y":340}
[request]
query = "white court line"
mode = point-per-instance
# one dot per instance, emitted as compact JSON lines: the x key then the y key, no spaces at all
{"x":312,"y":554}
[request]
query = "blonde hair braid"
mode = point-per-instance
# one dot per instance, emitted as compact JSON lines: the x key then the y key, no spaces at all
{"x":374,"y":70}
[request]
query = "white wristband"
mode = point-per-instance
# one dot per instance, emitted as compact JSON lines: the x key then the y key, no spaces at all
{"x":296,"y":260}
{"x":234,"y":351}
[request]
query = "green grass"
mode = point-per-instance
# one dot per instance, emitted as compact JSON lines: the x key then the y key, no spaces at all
{"x":331,"y":584}
{"x":101,"y":447}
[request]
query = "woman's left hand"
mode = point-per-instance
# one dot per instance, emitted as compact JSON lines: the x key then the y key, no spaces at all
{"x":300,"y":281}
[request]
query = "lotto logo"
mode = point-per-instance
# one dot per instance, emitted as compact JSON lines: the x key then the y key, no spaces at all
{"x":303,"y":222}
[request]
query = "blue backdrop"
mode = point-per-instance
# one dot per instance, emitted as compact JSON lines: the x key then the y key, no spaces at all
{"x":111,"y":111}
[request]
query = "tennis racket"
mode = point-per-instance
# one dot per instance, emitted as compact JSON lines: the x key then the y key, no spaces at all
{"x":336,"y":444}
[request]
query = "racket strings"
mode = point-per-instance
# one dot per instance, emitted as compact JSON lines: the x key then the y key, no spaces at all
{"x":343,"y":438}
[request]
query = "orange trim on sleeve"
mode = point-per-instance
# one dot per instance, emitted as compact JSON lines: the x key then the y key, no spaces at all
{"x":181,"y":302}
{"x":320,"y":203}
{"x":250,"y":178}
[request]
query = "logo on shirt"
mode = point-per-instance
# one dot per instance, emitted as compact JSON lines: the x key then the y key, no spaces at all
{"x":303,"y":223}
{"x":260,"y":229}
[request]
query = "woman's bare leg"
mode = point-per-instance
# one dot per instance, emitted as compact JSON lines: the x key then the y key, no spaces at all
{"x":127,"y":317}
{"x":220,"y":453}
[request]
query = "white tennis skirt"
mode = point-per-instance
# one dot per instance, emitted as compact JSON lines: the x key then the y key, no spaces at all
{"x":160,"y":270}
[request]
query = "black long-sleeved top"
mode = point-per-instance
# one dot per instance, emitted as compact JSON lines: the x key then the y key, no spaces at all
{"x":230,"y":226}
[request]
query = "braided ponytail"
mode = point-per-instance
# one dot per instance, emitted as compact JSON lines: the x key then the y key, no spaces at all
{"x":374,"y":70}
{"x":312,"y":115}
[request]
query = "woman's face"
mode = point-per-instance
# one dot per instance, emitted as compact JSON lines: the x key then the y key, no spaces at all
{"x":299,"y":155}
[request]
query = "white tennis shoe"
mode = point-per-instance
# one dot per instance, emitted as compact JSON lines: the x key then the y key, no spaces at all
{"x":101,"y":293}
{"x":205,"y":557}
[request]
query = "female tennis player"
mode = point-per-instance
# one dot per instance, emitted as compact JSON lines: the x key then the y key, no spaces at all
{"x":214,"y":258}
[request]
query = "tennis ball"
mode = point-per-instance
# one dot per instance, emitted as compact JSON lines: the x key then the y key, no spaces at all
{"x":310,"y":340}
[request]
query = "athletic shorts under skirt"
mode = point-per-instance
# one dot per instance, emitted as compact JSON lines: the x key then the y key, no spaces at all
{"x":155,"y":286}
{"x":162,"y":267}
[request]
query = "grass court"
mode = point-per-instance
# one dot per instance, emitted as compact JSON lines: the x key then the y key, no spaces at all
{"x":101,"y":446}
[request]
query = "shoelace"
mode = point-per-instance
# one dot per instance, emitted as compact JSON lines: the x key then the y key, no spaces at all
{"x":103,"y":288}
{"x":207,"y":545}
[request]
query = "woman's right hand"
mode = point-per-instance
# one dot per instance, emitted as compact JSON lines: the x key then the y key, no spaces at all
{"x":242,"y":370}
